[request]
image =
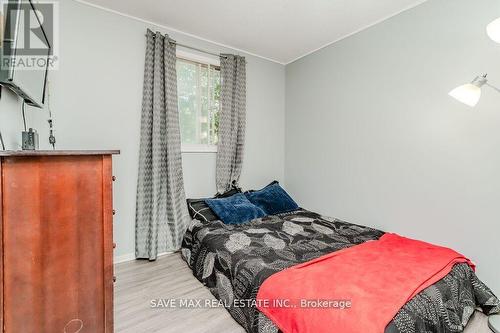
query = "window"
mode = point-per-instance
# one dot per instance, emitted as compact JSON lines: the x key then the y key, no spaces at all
{"x":199,"y":102}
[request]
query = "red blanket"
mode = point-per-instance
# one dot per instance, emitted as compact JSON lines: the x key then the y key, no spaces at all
{"x":359,"y":289}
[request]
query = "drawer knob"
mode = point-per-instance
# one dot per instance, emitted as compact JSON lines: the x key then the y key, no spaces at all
{"x":114,"y":212}
{"x":114,"y":245}
{"x":114,"y":178}
{"x":114,"y":278}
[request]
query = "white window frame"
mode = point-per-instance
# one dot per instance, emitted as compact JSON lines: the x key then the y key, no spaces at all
{"x":214,"y":61}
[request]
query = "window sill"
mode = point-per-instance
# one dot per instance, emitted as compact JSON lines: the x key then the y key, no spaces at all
{"x":192,"y":148}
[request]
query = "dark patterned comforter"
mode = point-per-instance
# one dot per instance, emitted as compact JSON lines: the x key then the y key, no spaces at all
{"x":233,"y":261}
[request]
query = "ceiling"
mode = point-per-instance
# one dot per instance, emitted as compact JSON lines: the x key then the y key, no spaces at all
{"x":279,"y":30}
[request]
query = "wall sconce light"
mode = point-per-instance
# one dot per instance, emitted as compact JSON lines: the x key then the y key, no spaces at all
{"x":470,"y":93}
{"x":493,"y":30}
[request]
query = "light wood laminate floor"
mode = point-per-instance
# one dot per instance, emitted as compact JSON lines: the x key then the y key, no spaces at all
{"x":139,"y":282}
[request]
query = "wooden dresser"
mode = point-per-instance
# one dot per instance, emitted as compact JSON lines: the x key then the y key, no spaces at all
{"x":56,"y":227}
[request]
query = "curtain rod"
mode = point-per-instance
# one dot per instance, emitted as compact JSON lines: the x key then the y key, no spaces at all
{"x":193,"y":48}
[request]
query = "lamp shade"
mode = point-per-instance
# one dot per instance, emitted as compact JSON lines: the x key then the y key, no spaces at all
{"x":469,"y":94}
{"x":493,"y":30}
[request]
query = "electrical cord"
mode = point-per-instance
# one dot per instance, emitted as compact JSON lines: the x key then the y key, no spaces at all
{"x":24,"y":116}
{"x":1,"y":137}
{"x":1,"y":141}
{"x":52,"y":138}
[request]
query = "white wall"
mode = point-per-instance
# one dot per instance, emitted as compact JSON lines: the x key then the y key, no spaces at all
{"x":96,"y":101}
{"x":372,"y":136}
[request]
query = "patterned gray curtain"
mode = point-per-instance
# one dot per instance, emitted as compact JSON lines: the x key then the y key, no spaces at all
{"x":161,"y":213}
{"x":232,"y":121}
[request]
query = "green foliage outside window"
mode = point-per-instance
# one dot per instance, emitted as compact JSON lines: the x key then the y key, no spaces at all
{"x":199,"y":102}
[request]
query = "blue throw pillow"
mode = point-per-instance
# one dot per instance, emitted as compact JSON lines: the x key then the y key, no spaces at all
{"x":235,"y":209}
{"x":273,"y":199}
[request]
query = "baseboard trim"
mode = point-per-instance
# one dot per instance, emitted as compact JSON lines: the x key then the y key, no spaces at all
{"x":131,"y":257}
{"x":124,"y":258}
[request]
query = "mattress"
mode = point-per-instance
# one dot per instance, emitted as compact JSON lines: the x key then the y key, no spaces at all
{"x":232,"y":261}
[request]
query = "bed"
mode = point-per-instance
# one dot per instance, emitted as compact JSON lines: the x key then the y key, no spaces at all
{"x":233,"y":261}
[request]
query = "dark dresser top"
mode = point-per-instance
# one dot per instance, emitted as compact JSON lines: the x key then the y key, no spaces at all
{"x":14,"y":153}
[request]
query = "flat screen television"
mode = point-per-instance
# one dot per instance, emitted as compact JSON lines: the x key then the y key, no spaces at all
{"x":25,"y":51}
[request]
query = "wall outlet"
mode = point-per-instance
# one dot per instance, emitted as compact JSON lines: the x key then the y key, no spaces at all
{"x":30,"y":140}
